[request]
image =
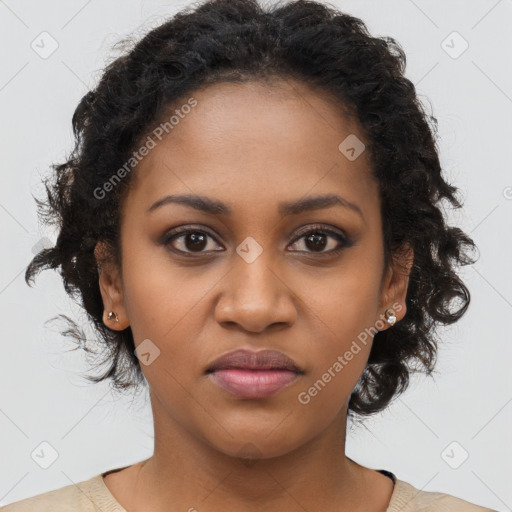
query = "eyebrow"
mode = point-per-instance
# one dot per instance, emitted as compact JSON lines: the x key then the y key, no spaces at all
{"x":285,"y":208}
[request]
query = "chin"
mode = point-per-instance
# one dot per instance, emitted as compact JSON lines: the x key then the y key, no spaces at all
{"x":258,"y":446}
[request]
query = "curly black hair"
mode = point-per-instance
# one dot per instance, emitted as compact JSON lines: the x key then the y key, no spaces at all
{"x":237,"y":41}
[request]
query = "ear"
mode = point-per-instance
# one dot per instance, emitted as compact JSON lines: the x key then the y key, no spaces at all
{"x":395,"y":283}
{"x":111,"y":289}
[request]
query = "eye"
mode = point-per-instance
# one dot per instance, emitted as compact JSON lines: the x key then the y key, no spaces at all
{"x":316,"y":239}
{"x":190,"y":240}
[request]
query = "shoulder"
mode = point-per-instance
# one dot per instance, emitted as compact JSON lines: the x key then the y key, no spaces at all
{"x":407,"y":498}
{"x":85,"y":496}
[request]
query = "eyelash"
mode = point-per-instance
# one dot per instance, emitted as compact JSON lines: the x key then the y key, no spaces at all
{"x":178,"y":233}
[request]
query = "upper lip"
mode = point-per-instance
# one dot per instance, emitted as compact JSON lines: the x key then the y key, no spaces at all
{"x":250,"y":360}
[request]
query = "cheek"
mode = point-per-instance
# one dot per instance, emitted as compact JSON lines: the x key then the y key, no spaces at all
{"x":338,"y":358}
{"x":344,"y":314}
{"x":165,"y":304}
{"x":344,"y":304}
{"x":155,"y":295}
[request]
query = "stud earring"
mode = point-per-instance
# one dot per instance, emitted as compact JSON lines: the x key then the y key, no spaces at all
{"x":390,"y":317}
{"x":112,"y":315}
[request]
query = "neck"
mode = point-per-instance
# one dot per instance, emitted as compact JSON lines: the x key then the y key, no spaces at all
{"x":187,"y":472}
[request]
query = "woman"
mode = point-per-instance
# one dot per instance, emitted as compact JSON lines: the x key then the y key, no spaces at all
{"x":251,"y":218}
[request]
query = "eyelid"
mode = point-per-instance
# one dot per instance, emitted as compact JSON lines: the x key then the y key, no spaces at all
{"x":322,"y":228}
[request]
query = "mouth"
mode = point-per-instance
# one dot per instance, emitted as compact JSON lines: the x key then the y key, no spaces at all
{"x":254,"y":375}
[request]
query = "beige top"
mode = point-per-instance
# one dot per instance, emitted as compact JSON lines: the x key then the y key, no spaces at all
{"x":93,"y":495}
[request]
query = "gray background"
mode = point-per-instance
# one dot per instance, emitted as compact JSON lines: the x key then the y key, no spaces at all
{"x":43,"y":399}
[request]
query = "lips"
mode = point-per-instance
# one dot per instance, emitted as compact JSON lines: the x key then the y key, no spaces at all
{"x":254,"y":375}
{"x":244,"y":359}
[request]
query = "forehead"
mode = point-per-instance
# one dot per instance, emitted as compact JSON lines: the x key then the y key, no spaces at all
{"x":260,"y":142}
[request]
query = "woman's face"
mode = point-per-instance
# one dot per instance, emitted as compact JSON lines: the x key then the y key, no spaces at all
{"x":249,"y":276}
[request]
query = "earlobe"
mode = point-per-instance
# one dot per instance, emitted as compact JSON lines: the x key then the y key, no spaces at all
{"x":114,"y":314}
{"x":391,"y":316}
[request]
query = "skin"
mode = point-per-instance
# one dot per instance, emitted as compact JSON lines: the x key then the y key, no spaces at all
{"x":252,"y":146}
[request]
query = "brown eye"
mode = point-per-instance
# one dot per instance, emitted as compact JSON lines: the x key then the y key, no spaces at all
{"x":316,"y":241}
{"x":195,"y":241}
{"x":189,"y":240}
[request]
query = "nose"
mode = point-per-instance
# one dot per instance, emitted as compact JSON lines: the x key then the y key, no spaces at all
{"x":255,"y":297}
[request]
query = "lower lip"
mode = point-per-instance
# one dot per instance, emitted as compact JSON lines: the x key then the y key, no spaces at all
{"x":253,"y":383}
